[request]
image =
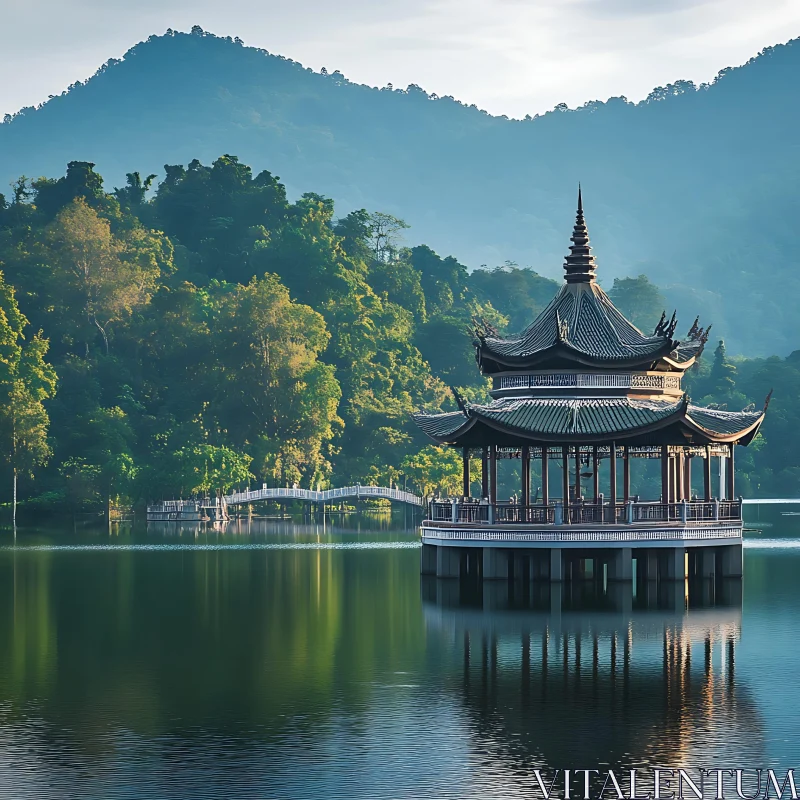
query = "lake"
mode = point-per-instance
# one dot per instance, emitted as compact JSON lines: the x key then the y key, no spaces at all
{"x":281,"y":660}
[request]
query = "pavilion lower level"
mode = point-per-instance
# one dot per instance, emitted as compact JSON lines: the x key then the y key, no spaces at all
{"x":579,"y":525}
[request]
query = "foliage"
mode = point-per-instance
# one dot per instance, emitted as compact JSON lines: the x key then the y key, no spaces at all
{"x":639,"y":300}
{"x":26,"y":381}
{"x":212,"y":332}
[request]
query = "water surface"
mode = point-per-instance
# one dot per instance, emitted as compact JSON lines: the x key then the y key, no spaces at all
{"x":301,"y":661}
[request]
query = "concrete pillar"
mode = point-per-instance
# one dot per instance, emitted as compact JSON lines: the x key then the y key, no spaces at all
{"x":556,"y":564}
{"x":676,"y":563}
{"x":427,"y":559}
{"x":495,"y":563}
{"x":651,"y":560}
{"x":708,"y":560}
{"x":732,"y":561}
{"x":448,"y":561}
{"x":621,"y":566}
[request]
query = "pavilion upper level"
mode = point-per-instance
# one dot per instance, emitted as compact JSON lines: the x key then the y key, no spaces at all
{"x":582,"y":373}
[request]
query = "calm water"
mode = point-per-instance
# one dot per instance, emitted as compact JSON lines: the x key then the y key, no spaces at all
{"x":306,"y":662}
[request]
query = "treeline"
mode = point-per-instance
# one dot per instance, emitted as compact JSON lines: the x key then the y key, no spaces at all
{"x":209,"y":333}
{"x":215,"y":334}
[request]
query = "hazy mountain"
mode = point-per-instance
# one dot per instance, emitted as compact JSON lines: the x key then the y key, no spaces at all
{"x":694,"y":186}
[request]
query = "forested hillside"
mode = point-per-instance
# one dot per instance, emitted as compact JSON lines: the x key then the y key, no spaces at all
{"x":694,"y":187}
{"x":211,"y":333}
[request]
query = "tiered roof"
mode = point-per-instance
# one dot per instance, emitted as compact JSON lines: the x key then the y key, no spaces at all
{"x":582,"y":327}
{"x":590,"y":420}
{"x":582,"y":330}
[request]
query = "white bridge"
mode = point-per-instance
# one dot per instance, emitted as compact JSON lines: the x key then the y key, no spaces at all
{"x":328,"y":495}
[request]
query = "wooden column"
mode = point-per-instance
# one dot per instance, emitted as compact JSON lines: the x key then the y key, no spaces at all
{"x":707,"y":474}
{"x":493,"y":474}
{"x":731,"y":482}
{"x":526,"y":475}
{"x":687,"y":475}
{"x":596,"y":478}
{"x":484,"y":472}
{"x":626,"y":474}
{"x":673,"y":479}
{"x":664,"y":474}
{"x":612,"y":489}
{"x":465,"y":473}
{"x":545,"y":485}
{"x":565,"y":481}
{"x":577,"y":471}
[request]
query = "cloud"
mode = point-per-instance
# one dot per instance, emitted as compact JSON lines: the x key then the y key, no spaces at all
{"x":508,"y":56}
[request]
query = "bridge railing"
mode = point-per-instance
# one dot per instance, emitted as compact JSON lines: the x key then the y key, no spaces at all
{"x":309,"y":495}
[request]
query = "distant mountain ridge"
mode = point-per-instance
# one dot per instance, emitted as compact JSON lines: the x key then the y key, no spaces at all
{"x":694,"y":186}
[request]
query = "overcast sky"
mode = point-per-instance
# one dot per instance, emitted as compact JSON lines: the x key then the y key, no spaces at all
{"x":510,"y":57}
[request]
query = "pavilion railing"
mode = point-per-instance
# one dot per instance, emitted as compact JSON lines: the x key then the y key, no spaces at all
{"x":581,"y":513}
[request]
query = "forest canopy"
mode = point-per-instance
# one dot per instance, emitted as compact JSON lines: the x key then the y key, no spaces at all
{"x":205,"y":333}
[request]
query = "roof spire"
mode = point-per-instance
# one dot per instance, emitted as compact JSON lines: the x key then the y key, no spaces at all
{"x":579,"y":265}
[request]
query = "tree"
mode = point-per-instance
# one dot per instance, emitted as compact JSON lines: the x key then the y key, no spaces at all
{"x":440,"y":469}
{"x":101,"y":277}
{"x":723,"y":374}
{"x":26,"y":381}
{"x":639,"y":300}
{"x":272,"y":391}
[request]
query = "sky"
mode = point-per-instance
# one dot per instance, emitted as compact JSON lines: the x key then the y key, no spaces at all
{"x":512,"y":57}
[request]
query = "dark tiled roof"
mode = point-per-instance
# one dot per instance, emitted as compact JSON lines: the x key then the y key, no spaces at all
{"x":723,"y":423}
{"x":601,"y":417}
{"x":441,"y":426}
{"x":576,"y":417}
{"x":581,"y":318}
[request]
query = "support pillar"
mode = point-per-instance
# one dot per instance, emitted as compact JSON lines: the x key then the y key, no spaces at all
{"x":732,"y":561}
{"x":707,"y":475}
{"x":427,"y":559}
{"x":465,"y":489}
{"x":526,"y":475}
{"x":687,"y":476}
{"x":577,"y":472}
{"x":565,"y":482}
{"x":596,"y":478}
{"x":621,"y":566}
{"x":731,"y":493}
{"x":612,"y":494}
{"x":493,"y":474}
{"x":556,"y":564}
{"x":484,"y":472}
{"x":495,"y":563}
{"x":626,"y":475}
{"x":676,"y":563}
{"x":448,"y":561}
{"x":545,"y":484}
{"x":708,"y":561}
{"x":664,"y":474}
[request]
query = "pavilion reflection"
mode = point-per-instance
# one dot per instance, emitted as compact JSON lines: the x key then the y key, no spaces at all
{"x":581,"y":675}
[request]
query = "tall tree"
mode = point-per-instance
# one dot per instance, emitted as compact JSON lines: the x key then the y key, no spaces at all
{"x":101,"y":277}
{"x":26,"y":381}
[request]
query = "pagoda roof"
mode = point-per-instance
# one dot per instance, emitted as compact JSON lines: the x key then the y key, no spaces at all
{"x":581,"y":325}
{"x":590,"y":420}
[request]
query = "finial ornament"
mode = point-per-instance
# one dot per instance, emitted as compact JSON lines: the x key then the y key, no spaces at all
{"x":579,"y":265}
{"x":460,"y":402}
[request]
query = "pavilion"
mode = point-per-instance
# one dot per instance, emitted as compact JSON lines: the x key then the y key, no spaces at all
{"x":580,"y":387}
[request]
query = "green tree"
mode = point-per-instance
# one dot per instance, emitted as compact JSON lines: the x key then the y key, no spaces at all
{"x":100,"y":277}
{"x":723,"y":373}
{"x":639,"y":300}
{"x":26,"y":381}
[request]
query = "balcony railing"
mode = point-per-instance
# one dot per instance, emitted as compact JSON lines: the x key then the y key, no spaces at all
{"x":687,"y":512}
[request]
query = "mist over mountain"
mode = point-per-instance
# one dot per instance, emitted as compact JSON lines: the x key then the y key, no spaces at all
{"x":694,"y":187}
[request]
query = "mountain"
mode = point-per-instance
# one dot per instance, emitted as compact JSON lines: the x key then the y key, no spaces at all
{"x":694,"y":187}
